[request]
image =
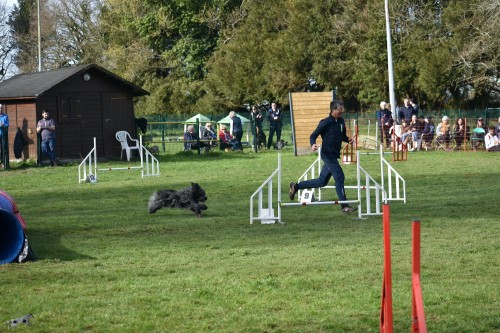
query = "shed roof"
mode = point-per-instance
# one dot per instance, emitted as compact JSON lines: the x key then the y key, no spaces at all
{"x":33,"y":85}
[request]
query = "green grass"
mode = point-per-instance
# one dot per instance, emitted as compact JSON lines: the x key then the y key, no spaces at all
{"x":106,"y":265}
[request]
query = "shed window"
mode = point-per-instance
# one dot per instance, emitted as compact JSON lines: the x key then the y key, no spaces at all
{"x":70,"y":108}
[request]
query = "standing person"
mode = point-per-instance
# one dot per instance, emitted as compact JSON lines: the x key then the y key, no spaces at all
{"x":274,"y":116}
{"x":258,"y":135}
{"x":405,"y":111}
{"x":387,"y":123}
{"x":4,"y":126}
{"x":380,"y":114}
{"x":47,"y":129}
{"x":333,"y":133}
{"x":237,"y":129}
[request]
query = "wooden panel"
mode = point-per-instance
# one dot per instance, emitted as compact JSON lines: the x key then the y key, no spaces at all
{"x":308,"y":109}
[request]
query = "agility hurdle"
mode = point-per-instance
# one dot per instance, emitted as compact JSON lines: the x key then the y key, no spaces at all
{"x":266,"y":212}
{"x":87,"y":170}
{"x":391,"y":181}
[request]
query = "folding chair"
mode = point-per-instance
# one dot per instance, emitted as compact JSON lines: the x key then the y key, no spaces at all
{"x":477,"y":138}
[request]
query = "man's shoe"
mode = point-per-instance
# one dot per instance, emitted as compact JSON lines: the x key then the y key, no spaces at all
{"x":349,"y":209}
{"x":293,"y":190}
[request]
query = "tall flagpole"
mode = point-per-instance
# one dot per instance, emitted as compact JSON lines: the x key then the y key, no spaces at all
{"x":392,"y":98}
{"x":39,"y":42}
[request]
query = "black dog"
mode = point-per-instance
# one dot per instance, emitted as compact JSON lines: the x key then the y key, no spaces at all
{"x":188,"y":198}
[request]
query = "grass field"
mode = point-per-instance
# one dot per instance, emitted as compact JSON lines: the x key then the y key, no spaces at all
{"x":106,"y":265}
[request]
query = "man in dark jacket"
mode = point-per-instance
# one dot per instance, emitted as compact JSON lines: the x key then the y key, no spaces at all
{"x":333,"y":133}
{"x":275,"y":117}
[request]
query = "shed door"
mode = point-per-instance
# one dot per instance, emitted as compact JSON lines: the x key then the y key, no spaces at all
{"x":70,"y":118}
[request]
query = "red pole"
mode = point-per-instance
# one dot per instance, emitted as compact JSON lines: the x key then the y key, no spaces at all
{"x":386,"y":308}
{"x":418,"y":316}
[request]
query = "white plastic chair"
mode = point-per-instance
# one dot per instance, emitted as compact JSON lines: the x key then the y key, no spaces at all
{"x":124,"y":138}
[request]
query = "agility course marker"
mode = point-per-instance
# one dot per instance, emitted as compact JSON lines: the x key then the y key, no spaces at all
{"x":418,"y":316}
{"x":386,"y":307}
{"x":87,"y":170}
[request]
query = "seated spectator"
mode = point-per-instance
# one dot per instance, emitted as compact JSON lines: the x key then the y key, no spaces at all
{"x":226,"y":141}
{"x":443,"y":132}
{"x":459,"y":132}
{"x":407,"y":134}
{"x":209,"y":134}
{"x":398,"y":131}
{"x":413,"y":133}
{"x":491,"y":140}
{"x":478,"y":135}
{"x":428,"y":132}
{"x":191,"y":140}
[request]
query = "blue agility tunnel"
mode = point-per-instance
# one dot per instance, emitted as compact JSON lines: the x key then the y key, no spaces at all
{"x":11,"y":237}
{"x":12,"y":227}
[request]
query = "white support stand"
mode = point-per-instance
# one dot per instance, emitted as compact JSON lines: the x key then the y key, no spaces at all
{"x":87,"y":170}
{"x":265,"y":213}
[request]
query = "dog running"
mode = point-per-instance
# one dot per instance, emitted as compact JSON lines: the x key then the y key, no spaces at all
{"x":192,"y":198}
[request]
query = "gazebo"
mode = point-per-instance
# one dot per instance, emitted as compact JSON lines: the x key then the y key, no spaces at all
{"x":199,"y":118}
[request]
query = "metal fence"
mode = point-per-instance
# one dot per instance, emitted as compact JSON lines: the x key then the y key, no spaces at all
{"x":166,"y":131}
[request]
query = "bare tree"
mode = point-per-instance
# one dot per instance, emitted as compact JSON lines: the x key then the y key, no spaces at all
{"x":6,"y":45}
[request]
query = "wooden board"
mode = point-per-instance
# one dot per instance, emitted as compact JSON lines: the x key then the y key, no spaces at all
{"x":307,"y":109}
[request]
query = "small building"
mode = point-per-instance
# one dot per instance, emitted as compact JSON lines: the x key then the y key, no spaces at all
{"x":86,"y":101}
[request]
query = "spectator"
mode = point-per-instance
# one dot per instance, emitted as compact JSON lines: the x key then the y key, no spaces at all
{"x":226,"y":141}
{"x":398,"y":131}
{"x":414,"y":105}
{"x":406,"y":111}
{"x":4,"y":125}
{"x":497,"y":127}
{"x":47,"y":129}
{"x":491,"y":140}
{"x":192,"y":141}
{"x":380,"y":115}
{"x":275,"y":117}
{"x":443,"y":132}
{"x":237,"y":132}
{"x":428,"y":132}
{"x":459,"y":132}
{"x":415,"y":131}
{"x":258,"y":133}
{"x":209,"y":134}
{"x":477,"y":134}
{"x":387,"y":122}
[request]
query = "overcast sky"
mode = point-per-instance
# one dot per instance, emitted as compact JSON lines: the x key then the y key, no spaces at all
{"x":11,"y":2}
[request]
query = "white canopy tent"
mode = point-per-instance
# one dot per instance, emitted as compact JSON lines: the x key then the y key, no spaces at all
{"x":201,"y":119}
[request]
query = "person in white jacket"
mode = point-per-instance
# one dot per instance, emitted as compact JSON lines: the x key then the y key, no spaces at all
{"x":491,"y":140}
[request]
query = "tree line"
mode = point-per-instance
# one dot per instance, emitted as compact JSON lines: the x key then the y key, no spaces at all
{"x":215,"y":55}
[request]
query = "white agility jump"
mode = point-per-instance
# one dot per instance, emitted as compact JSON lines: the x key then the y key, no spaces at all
{"x":87,"y":170}
{"x":370,"y":194}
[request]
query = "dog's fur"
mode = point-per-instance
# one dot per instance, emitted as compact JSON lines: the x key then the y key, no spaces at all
{"x":280,"y":144}
{"x":191,"y":198}
{"x":17,"y":321}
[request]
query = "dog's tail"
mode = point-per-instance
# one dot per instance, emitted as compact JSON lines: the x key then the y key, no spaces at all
{"x":154,"y":204}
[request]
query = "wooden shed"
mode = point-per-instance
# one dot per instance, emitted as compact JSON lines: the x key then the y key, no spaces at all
{"x":86,"y":101}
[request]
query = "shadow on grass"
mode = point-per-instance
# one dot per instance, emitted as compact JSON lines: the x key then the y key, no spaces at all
{"x":48,"y":245}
